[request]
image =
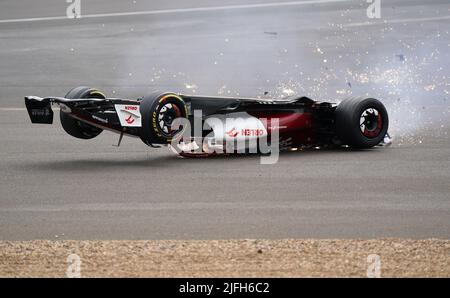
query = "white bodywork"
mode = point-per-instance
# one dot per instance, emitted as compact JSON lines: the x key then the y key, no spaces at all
{"x":236,"y":126}
{"x":129,"y":115}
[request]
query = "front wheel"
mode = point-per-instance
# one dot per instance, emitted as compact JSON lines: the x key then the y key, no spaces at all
{"x":361,"y":123}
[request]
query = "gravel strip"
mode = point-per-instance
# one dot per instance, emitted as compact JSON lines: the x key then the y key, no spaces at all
{"x":226,"y":258}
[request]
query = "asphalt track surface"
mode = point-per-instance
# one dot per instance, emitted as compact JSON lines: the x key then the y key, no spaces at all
{"x":53,"y":186}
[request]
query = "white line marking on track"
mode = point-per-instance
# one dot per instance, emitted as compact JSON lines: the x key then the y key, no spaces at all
{"x":229,"y":7}
{"x":12,"y":109}
{"x":20,"y":109}
{"x":398,"y":21}
{"x":178,"y":10}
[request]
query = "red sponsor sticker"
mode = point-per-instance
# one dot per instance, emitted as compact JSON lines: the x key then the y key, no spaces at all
{"x":232,"y":133}
{"x":130,"y":120}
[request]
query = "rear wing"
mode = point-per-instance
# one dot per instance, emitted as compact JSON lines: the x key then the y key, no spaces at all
{"x":40,"y":110}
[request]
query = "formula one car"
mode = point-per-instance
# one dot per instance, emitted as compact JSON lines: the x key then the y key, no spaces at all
{"x":156,"y":119}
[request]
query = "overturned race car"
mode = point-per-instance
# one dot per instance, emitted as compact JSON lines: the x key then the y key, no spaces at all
{"x":205,"y":125}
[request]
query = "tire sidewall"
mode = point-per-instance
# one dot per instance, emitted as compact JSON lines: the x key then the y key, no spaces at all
{"x":150,"y":106}
{"x":73,"y":126}
{"x":348,"y":122}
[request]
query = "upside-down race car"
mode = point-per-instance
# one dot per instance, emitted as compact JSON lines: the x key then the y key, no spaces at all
{"x":298,"y":122}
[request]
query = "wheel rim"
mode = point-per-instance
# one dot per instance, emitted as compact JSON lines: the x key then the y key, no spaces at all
{"x":166,"y":115}
{"x":371,"y":123}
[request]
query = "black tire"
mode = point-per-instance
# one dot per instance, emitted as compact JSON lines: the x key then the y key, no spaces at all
{"x":77,"y":128}
{"x":361,"y":123}
{"x":151,"y":107}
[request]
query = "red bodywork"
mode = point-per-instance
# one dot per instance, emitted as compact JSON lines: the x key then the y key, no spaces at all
{"x":297,"y":127}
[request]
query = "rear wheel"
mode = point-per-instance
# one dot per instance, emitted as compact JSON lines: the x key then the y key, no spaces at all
{"x":75,"y":127}
{"x":361,"y":123}
{"x":158,"y":111}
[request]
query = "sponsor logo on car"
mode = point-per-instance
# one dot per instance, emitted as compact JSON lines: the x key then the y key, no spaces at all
{"x":129,"y":115}
{"x":40,"y":112}
{"x":252,"y":132}
{"x":246,"y":132}
{"x":99,"y":119}
{"x":232,"y":133}
{"x":130,"y":119}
